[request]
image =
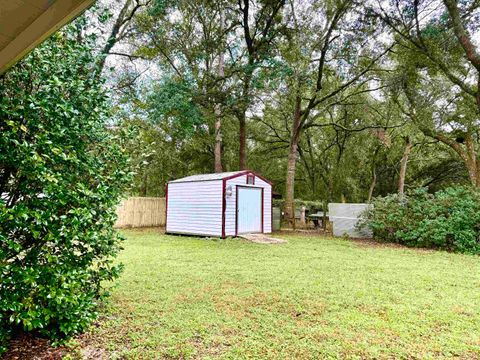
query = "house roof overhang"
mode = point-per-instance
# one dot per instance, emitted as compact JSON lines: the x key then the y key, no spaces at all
{"x":24,"y":24}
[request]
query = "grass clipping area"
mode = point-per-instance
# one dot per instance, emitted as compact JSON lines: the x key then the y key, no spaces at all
{"x":184,"y":297}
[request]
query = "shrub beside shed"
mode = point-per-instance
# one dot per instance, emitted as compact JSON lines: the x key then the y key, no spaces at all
{"x":219,"y":204}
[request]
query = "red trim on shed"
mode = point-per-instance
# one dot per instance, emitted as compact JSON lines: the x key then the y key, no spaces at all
{"x":245,"y":173}
{"x":236,"y":210}
{"x":263,"y":210}
{"x":166,"y":205}
{"x":271,"y":209}
{"x":224,"y":205}
{"x":261,"y":177}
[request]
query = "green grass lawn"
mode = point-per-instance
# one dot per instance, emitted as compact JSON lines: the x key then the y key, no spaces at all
{"x":184,"y":297}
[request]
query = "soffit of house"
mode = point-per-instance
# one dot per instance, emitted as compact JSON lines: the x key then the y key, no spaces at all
{"x":26,"y":23}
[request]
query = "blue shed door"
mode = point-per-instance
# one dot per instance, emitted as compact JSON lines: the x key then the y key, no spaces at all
{"x":249,"y":208}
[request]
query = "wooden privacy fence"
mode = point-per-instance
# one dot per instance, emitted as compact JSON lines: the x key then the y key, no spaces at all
{"x":141,"y":212}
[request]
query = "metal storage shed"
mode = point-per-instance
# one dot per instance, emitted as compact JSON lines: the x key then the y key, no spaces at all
{"x":220,"y":204}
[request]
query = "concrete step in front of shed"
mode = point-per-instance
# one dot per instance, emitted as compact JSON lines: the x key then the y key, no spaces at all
{"x":262,"y":239}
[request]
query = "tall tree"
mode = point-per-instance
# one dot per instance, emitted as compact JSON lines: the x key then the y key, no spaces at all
{"x":337,"y":70}
{"x":261,"y":23}
{"x":186,"y":42}
{"x":437,"y":37}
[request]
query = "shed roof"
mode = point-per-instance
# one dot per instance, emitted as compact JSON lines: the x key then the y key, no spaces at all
{"x":219,"y":176}
{"x":207,"y":177}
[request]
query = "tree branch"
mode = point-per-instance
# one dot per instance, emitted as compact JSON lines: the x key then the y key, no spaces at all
{"x":462,"y":34}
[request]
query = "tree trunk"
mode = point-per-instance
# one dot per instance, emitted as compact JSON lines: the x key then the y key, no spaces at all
{"x":243,"y":142}
{"x":472,"y":162}
{"x":477,"y":95}
{"x":290,"y":183}
{"x":324,"y":218}
{"x":292,"y":164}
{"x":403,"y":166}
{"x":374,"y":174}
{"x":242,"y":126}
{"x":242,"y":117}
{"x":218,"y":112}
{"x":372,"y":184}
{"x":218,"y":140}
{"x":468,"y":154}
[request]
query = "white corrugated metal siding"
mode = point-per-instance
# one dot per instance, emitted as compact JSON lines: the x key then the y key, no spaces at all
{"x":195,"y":208}
{"x":231,"y":205}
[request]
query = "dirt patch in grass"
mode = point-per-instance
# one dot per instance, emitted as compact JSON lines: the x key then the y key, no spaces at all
{"x":28,"y":347}
{"x":262,"y":239}
{"x":207,"y":350}
{"x":304,"y":232}
{"x":88,"y":350}
{"x":92,"y":353}
{"x":90,"y":345}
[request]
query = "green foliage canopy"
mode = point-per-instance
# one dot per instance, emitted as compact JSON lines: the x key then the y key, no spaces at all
{"x":172,"y":102}
{"x":448,"y":219}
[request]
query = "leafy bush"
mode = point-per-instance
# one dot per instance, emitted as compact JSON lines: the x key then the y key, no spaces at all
{"x":448,"y":219}
{"x":61,"y":176}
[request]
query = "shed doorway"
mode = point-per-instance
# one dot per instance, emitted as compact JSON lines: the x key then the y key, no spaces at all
{"x":249,"y":210}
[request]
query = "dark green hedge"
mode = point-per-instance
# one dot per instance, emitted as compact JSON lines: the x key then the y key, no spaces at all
{"x":61,"y":176}
{"x":448,"y":219}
